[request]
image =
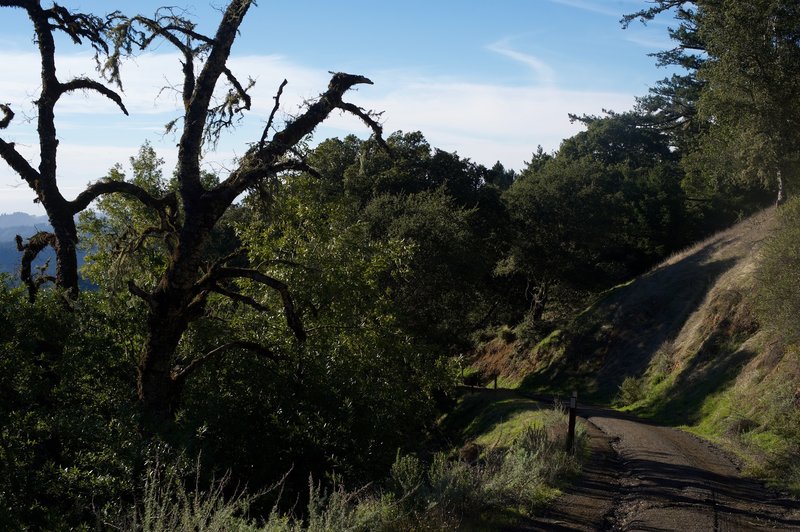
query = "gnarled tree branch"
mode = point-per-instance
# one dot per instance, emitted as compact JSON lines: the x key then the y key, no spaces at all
{"x":179,"y":374}
{"x":19,"y":164}
{"x":240,"y":90}
{"x":141,"y":293}
{"x":263,"y":157}
{"x":292,"y":318}
{"x":12,"y":157}
{"x":90,"y":84}
{"x":79,"y":26}
{"x":30,"y":251}
{"x":370,"y":119}
{"x":100,"y":188}
{"x":8,"y":115}
{"x":275,"y":108}
{"x":241,"y":298}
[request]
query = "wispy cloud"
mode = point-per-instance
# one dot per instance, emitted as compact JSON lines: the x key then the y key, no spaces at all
{"x":489,"y":122}
{"x":600,"y":7}
{"x":544,"y":72}
{"x":486,"y":122}
{"x":651,"y":42}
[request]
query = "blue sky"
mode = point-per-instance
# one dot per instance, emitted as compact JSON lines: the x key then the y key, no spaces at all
{"x":489,"y":80}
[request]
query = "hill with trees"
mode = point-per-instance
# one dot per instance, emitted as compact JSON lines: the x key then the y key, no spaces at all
{"x":702,"y":341}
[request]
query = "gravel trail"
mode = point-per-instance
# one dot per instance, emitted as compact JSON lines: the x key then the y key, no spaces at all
{"x":645,"y":477}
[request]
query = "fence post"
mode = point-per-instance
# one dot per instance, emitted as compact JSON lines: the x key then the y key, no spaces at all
{"x":495,"y":381}
{"x":573,"y":407}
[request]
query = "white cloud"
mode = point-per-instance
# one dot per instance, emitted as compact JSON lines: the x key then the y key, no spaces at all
{"x":485,"y":122}
{"x":489,"y":123}
{"x":544,"y":72}
{"x":150,"y":82}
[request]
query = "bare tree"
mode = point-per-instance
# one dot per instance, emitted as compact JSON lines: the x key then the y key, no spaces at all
{"x":188,"y":217}
{"x":42,"y":179}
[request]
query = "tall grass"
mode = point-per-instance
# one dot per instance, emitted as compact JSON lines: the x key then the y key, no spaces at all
{"x":440,"y":495}
{"x":169,"y":504}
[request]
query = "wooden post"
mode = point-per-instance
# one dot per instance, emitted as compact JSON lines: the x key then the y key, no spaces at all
{"x":495,"y":381}
{"x":573,"y":407}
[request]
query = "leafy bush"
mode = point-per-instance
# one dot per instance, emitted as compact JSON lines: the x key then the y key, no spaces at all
{"x":632,"y":390}
{"x":167,"y":504}
{"x":67,"y":423}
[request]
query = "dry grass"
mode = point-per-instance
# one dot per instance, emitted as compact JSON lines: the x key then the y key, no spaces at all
{"x":744,"y":235}
{"x":499,"y":357}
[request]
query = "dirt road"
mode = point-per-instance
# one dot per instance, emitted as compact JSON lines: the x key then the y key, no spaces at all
{"x":646,"y":477}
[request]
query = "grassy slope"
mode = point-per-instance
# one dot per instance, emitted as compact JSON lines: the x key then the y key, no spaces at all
{"x":487,"y":422}
{"x":680,"y":345}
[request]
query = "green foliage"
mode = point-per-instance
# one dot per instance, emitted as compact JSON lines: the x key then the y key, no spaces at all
{"x":442,"y":262}
{"x":753,"y":89}
{"x":68,"y":439}
{"x":446,"y":211}
{"x":606,"y":207}
{"x":317,"y":401}
{"x":168,"y":504}
{"x":450,"y":210}
{"x":632,"y":390}
{"x":116,"y":240}
{"x":731,"y":113}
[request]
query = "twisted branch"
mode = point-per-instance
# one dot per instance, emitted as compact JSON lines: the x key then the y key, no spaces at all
{"x":90,"y":84}
{"x":241,"y":298}
{"x":30,"y":251}
{"x":8,"y":115}
{"x":263,"y":158}
{"x":12,"y":157}
{"x":210,"y":282}
{"x":103,"y":187}
{"x":277,"y":99}
{"x":179,"y":374}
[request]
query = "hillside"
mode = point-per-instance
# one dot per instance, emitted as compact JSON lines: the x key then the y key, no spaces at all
{"x":681,"y":345}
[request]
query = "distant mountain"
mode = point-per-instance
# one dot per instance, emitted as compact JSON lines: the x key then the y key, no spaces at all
{"x":21,"y":219}
{"x":25,"y":225}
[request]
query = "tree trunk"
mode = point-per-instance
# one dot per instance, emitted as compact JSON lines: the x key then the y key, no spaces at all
{"x":66,"y":249}
{"x":159,"y":392}
{"x":539,"y":301}
{"x":173,"y":306}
